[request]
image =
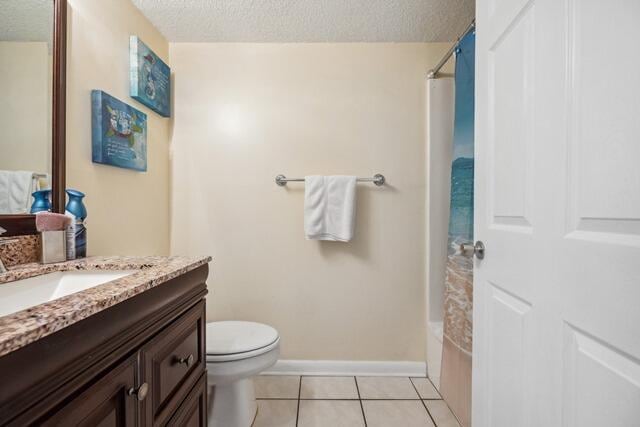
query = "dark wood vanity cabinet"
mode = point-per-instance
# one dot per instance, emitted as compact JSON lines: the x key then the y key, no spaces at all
{"x":138,"y":363}
{"x":105,"y":403}
{"x":171,"y":364}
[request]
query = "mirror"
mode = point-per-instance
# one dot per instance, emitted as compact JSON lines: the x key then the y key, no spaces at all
{"x":26,"y":83}
{"x":32,"y":68}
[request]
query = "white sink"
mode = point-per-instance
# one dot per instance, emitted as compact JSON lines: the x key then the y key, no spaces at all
{"x":22,"y":294}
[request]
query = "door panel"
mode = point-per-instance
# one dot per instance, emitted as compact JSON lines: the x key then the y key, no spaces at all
{"x":556,"y":319}
{"x":504,"y":298}
{"x":508,"y":327}
{"x":597,"y":239}
{"x":510,"y":61}
{"x":602,"y":384}
{"x":604,"y":104}
{"x":499,"y":14}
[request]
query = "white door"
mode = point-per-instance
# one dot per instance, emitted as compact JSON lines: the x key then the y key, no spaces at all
{"x":557,"y":204}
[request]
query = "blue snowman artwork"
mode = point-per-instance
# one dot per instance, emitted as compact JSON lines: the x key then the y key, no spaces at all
{"x":150,"y":78}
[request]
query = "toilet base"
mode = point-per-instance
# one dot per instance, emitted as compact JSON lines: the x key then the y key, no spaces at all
{"x":232,"y":401}
{"x":239,"y":403}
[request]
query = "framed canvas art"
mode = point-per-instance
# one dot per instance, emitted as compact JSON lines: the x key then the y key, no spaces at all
{"x":118,"y":133}
{"x":150,"y":78}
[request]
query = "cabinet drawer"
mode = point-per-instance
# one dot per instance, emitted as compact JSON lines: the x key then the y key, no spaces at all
{"x":171,"y":363}
{"x":193,"y":412}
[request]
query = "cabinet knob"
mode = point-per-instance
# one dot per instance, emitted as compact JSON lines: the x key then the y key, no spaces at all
{"x":186,"y":360}
{"x":140,"y":392}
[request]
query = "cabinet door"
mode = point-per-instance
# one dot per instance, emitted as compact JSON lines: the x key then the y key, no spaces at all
{"x":172,"y":362}
{"x":106,"y":403}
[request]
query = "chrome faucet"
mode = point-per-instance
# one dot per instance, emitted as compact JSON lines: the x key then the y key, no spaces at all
{"x":3,"y":269}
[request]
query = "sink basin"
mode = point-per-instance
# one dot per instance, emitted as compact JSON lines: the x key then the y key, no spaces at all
{"x":22,"y":294}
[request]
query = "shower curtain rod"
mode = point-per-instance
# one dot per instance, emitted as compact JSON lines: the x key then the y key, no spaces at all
{"x":435,"y":70}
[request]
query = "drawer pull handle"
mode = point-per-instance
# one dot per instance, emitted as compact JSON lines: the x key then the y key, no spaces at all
{"x":141,"y":392}
{"x":186,"y":360}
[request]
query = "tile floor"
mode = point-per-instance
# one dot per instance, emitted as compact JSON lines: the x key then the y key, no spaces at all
{"x":309,"y":401}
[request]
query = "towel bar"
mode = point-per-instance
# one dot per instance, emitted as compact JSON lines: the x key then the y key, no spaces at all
{"x":378,"y":179}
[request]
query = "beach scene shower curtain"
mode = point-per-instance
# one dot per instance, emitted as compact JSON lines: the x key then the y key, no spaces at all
{"x":455,"y":376}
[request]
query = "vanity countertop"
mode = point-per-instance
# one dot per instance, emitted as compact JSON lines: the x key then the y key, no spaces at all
{"x":29,"y":325}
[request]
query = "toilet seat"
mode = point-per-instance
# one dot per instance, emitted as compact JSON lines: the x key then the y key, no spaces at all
{"x":236,"y":340}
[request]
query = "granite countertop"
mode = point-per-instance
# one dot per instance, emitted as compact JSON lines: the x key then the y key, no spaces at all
{"x":24,"y":327}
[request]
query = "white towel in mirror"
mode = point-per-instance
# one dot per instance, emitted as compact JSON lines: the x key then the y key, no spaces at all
{"x":15,"y":191}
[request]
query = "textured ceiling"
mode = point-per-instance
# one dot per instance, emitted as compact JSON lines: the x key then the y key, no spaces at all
{"x":26,"y":20}
{"x":309,"y":20}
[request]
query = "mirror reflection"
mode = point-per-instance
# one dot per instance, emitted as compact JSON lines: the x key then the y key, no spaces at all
{"x":26,"y":76}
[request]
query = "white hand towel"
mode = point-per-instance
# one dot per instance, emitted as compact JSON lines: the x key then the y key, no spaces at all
{"x":4,"y":192}
{"x":15,"y":191}
{"x":329,"y":207}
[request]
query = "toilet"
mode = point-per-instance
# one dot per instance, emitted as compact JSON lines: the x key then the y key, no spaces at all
{"x":236,"y":351}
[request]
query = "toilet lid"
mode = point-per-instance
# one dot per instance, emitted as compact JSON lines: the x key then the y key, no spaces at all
{"x":232,"y":337}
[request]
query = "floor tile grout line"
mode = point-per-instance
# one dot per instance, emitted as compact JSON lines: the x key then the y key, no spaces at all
{"x":359,"y":399}
{"x":392,"y":400}
{"x":415,"y":388}
{"x":276,"y":398}
{"x":364,"y":417}
{"x":433,"y":386}
{"x":423,"y":404}
{"x":332,"y":398}
{"x":351,"y":399}
{"x":298,"y":408}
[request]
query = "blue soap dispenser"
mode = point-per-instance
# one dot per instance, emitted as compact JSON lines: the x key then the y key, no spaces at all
{"x":77,"y":232}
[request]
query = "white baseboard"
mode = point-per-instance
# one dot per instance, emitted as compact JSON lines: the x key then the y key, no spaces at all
{"x":348,"y":368}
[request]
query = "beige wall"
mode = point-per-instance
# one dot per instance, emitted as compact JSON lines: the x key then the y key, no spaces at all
{"x":25,"y":110}
{"x":128,"y":211}
{"x":247,"y":112}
